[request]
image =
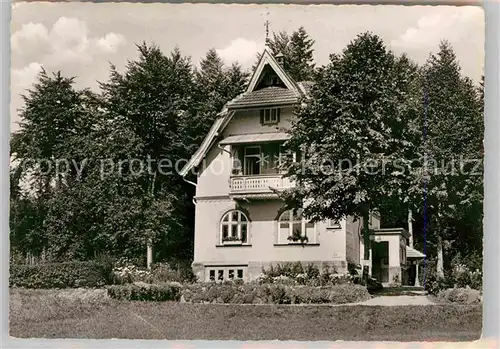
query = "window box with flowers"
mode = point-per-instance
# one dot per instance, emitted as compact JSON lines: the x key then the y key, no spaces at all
{"x":294,"y":229}
{"x":298,"y":237}
{"x":230,"y":240}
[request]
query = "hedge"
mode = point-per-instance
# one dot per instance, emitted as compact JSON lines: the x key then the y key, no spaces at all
{"x":253,"y":293}
{"x":60,"y":275}
{"x":140,"y":291}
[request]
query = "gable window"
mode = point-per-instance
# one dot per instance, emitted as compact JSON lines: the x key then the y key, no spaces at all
{"x":270,"y":116}
{"x":294,"y":228}
{"x":234,"y":228}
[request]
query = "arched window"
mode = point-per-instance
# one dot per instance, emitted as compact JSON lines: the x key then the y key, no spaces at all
{"x":234,"y":227}
{"x":294,"y":228}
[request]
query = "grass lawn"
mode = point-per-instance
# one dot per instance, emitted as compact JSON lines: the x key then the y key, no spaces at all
{"x":90,"y":314}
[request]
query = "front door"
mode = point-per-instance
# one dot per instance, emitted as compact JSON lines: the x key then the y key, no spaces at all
{"x":380,"y":264}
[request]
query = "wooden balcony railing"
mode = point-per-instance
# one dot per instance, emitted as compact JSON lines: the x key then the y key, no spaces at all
{"x":257,"y":184}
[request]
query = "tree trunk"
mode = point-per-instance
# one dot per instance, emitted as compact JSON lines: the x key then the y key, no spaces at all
{"x":149,"y":253}
{"x":439,"y":265}
{"x":410,"y":228}
{"x":367,"y":244}
{"x":149,"y":262}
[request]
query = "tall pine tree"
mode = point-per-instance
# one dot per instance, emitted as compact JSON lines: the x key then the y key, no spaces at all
{"x":453,"y":149}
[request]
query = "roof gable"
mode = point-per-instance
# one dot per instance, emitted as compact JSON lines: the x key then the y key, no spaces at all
{"x":267,"y":59}
{"x":250,"y":98}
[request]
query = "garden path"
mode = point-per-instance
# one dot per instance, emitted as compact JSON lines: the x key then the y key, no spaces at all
{"x":397,"y":300}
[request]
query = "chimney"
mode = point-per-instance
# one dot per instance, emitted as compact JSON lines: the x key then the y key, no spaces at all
{"x":280,"y":58}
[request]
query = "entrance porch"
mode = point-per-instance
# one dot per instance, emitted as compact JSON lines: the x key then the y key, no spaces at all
{"x":414,"y":258}
{"x":388,"y":257}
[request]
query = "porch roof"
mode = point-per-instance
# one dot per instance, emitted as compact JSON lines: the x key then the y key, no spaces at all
{"x":392,"y":231}
{"x":412,"y":253}
{"x":256,"y":138}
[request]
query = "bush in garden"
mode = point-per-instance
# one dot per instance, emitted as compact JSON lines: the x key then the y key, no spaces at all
{"x":466,"y":272}
{"x":163,"y":272}
{"x":140,"y":291}
{"x":462,"y":273}
{"x":347,"y":293}
{"x":60,"y":275}
{"x":273,"y":293}
{"x":460,"y":295}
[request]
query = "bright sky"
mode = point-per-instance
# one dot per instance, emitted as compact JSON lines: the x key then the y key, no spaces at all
{"x":81,"y":39}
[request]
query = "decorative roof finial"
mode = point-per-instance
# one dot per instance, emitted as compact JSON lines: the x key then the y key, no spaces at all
{"x":266,"y":24}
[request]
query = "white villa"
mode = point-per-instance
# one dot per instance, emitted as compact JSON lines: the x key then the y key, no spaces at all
{"x":240,"y":226}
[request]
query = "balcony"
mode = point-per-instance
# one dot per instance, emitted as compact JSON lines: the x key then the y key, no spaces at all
{"x":257,"y":185}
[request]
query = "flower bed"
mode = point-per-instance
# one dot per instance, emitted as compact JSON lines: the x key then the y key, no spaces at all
{"x":308,"y":275}
{"x":125,"y":272}
{"x":255,"y":293}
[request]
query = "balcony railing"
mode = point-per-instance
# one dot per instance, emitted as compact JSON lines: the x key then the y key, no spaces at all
{"x":257,"y":184}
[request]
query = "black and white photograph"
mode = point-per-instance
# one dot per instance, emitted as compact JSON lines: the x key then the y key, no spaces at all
{"x":252,"y":172}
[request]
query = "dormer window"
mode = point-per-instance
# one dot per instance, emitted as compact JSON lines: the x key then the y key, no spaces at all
{"x":270,"y":116}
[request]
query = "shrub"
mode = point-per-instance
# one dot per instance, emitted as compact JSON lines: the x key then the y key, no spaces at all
{"x":274,"y":293}
{"x":466,"y":272}
{"x":140,"y":291}
{"x":60,"y":275}
{"x":459,"y":295}
{"x":163,"y":272}
{"x":461,"y":273}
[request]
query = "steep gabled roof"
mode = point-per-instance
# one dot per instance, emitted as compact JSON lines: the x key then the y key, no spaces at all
{"x":265,"y":59}
{"x":250,"y":98}
{"x":272,"y":95}
{"x":222,"y":119}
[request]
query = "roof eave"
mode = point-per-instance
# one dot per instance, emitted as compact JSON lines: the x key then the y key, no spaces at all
{"x":289,"y":102}
{"x":207,"y":143}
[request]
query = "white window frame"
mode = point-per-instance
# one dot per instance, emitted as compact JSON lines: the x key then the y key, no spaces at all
{"x":291,"y":221}
{"x":258,"y":156}
{"x":236,"y":165}
{"x":230,"y":223}
{"x":271,"y":115}
{"x":226,"y":273}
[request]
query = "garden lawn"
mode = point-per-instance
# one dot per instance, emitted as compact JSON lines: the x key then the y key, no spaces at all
{"x":91,"y":314}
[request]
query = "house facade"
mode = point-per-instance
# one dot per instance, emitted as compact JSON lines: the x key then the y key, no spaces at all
{"x":240,"y":223}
